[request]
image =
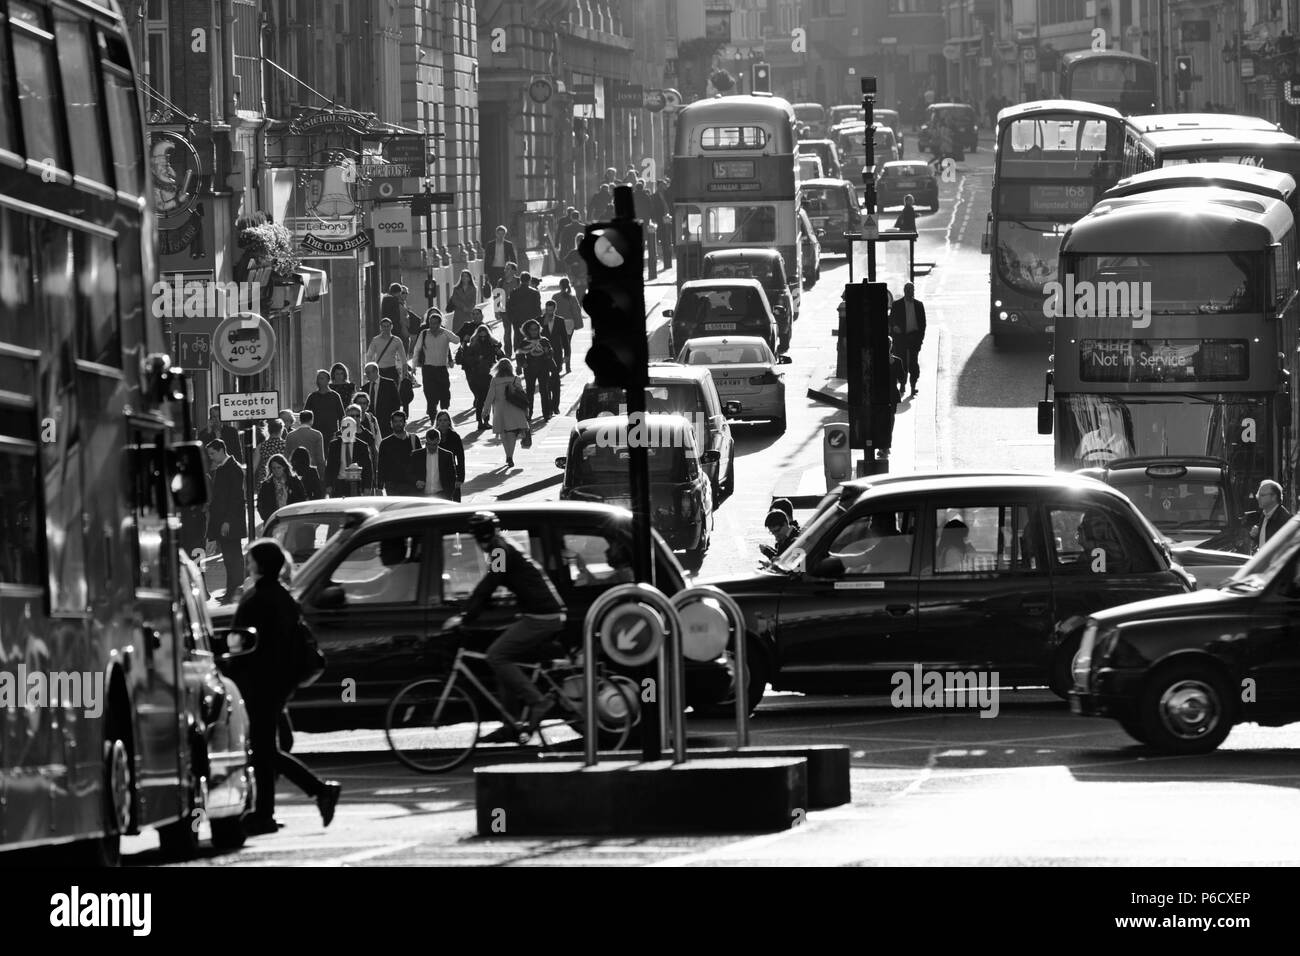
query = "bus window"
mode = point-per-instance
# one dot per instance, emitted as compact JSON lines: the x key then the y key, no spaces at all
{"x":733,"y":137}
{"x":16,"y":327}
{"x":745,"y":224}
{"x":38,"y":91}
{"x":77,"y":65}
{"x":691,"y":222}
{"x":1204,"y":283}
{"x":20,"y":560}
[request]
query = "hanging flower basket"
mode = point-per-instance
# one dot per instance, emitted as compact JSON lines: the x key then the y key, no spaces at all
{"x":268,"y":245}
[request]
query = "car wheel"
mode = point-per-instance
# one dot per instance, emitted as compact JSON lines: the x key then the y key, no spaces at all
{"x":778,"y":425}
{"x":180,"y":840}
{"x":1060,"y":677}
{"x":730,"y":483}
{"x":118,"y":801}
{"x":999,"y":340}
{"x":934,"y":206}
{"x":756,"y":686}
{"x":1186,"y":709}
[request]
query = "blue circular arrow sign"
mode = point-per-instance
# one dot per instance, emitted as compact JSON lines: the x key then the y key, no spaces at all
{"x":632,"y":634}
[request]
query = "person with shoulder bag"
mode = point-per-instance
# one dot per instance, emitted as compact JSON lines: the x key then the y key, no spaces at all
{"x":509,"y":408}
{"x":286,"y":657}
{"x":434,"y":348}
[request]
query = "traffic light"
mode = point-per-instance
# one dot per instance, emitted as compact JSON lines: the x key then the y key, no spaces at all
{"x":1183,"y":72}
{"x":761,"y":78}
{"x":866,"y":334}
{"x":615,"y":300}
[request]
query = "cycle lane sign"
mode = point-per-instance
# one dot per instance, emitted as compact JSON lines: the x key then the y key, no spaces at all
{"x":632,"y":634}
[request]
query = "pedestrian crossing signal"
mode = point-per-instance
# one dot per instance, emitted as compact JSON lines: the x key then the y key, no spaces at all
{"x":1183,"y":72}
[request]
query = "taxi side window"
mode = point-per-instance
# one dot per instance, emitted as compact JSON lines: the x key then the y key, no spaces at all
{"x":876,"y":542}
{"x":384,"y":570}
{"x":992,"y":538}
{"x":465,"y":564}
{"x":1091,"y":540}
{"x":588,"y":561}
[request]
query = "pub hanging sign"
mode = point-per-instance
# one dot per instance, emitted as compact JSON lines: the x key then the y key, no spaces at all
{"x":333,"y":120}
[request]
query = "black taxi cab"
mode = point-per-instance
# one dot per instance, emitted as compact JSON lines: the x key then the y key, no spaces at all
{"x":377,"y":600}
{"x":953,"y":571}
{"x":1178,"y":673}
{"x":681,"y":497}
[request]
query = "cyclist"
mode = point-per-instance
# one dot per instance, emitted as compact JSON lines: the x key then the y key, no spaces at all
{"x":541,"y":617}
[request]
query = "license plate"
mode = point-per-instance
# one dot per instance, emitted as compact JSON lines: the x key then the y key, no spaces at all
{"x":906,"y":184}
{"x":720,"y":326}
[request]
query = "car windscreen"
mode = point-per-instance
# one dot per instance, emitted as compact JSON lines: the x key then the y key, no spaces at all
{"x":597,"y":462}
{"x":916,"y":171}
{"x":303,"y":535}
{"x":729,"y":355}
{"x":824,"y":200}
{"x":1174,"y":506}
{"x":717,"y":303}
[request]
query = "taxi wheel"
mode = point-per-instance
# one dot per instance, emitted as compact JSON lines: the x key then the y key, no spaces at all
{"x":778,"y":425}
{"x":1134,"y":729}
{"x":1060,"y":678}
{"x":1186,"y":709}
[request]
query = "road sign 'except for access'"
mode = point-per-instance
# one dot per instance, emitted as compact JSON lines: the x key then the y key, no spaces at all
{"x":244,"y":344}
{"x":248,"y":406}
{"x":632,"y":634}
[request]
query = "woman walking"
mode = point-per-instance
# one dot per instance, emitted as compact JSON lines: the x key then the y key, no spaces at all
{"x":325,"y":406}
{"x":273,"y":445}
{"x":509,"y":420}
{"x":341,"y":382}
{"x":569,"y":309}
{"x":452,"y":443}
{"x":479,"y":357}
{"x":538,"y":360}
{"x":464,"y":297}
{"x":307,"y":474}
{"x":281,"y":488}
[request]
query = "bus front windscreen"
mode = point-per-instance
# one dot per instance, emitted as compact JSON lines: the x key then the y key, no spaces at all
{"x":1127,"y":86}
{"x":1202,"y":283}
{"x":1027,"y":253}
{"x":1093,"y":429}
{"x":1061,"y":148}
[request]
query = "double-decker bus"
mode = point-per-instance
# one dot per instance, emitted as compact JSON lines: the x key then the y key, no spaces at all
{"x":1178,"y":336}
{"x":735,"y":184}
{"x":1053,"y":160}
{"x":1249,"y":179}
{"x":1269,"y":148}
{"x":1123,"y":81}
{"x":94,"y":624}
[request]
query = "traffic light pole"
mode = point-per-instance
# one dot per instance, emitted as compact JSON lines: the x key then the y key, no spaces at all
{"x":869,"y":169}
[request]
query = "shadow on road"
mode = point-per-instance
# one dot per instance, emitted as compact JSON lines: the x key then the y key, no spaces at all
{"x":1006,"y":377}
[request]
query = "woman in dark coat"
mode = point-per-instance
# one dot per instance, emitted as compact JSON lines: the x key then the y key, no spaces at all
{"x":463,"y":299}
{"x":282,"y":487}
{"x":453,"y":443}
{"x":478,"y":357}
{"x":307,"y":474}
{"x":341,"y":382}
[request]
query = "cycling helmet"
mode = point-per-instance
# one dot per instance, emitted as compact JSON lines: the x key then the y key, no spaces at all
{"x":484,"y":525}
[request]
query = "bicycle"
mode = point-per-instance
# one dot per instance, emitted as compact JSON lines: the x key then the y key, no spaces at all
{"x":432,"y":724}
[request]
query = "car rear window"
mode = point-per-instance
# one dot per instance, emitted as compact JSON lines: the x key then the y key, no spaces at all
{"x":717,"y":303}
{"x":822,"y":201}
{"x":762,"y":271}
{"x":675,"y":398}
{"x":599,"y":463}
{"x":729,"y":355}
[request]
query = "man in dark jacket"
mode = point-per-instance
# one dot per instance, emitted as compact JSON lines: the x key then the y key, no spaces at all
{"x":541,"y":617}
{"x":267,"y":678}
{"x":524,"y":303}
{"x":495,"y":256}
{"x":227,"y":514}
{"x":442,"y":480}
{"x":343,"y":453}
{"x":227,"y":432}
{"x":383,"y":395}
{"x":1271,"y":516}
{"x":907,"y":323}
{"x":395,"y":453}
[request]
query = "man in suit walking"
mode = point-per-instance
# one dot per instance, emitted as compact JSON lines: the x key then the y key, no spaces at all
{"x":306,"y":436}
{"x":499,"y":251}
{"x":395,"y":454}
{"x":227,"y":515}
{"x":382,"y":393}
{"x":524,"y":303}
{"x":435,"y":470}
{"x":226,"y":431}
{"x":907,"y":323}
{"x":1272,"y":516}
{"x":342,"y":454}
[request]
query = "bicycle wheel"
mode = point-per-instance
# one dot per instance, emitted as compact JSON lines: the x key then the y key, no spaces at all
{"x":431,"y":726}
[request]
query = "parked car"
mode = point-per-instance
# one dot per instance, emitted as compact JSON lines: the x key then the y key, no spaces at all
{"x":810,"y":249}
{"x":907,"y":178}
{"x":959,"y":117}
{"x":969,"y":572}
{"x":832,"y":205}
{"x":768,"y":267}
{"x":810,"y":167}
{"x":745,"y":373}
{"x":850,"y":139}
{"x":303,"y":528}
{"x":679,"y":390}
{"x":811,"y":115}
{"x":823,"y":149}
{"x":717,"y":306}
{"x":377,"y":600}
{"x":681,"y":496}
{"x":1178,"y":673}
{"x":219,"y":760}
